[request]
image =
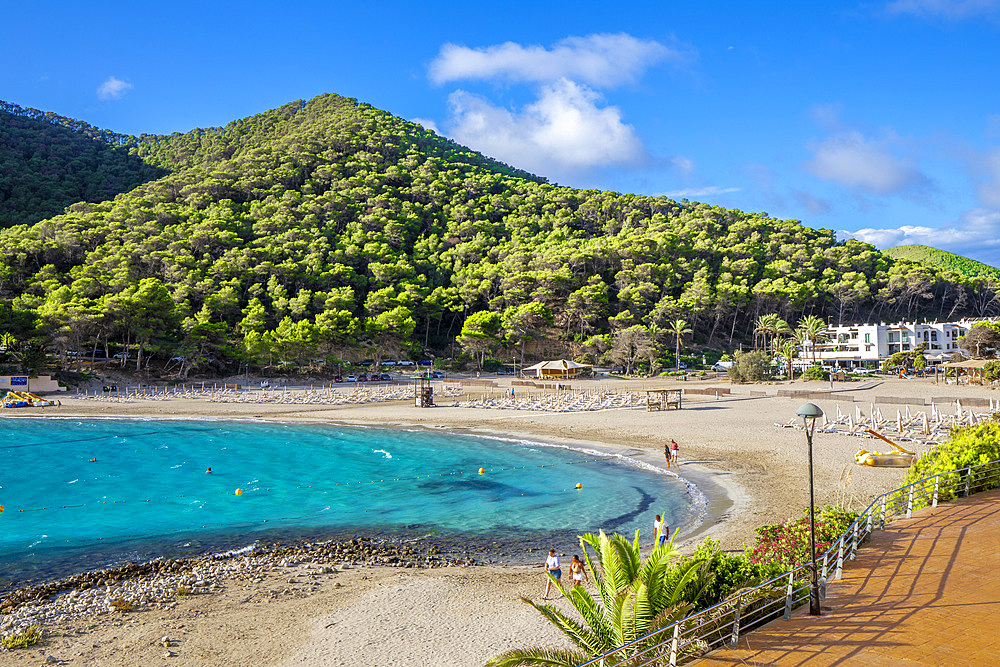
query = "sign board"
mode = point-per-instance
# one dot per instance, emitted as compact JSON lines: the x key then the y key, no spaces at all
{"x":19,"y":382}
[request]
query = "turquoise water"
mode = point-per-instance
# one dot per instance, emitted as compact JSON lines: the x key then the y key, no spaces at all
{"x":148,"y":492}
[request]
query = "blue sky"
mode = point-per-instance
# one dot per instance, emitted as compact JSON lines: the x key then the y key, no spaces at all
{"x":876,"y":119}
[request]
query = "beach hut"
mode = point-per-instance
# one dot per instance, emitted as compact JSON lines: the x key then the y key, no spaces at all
{"x":560,"y":369}
{"x":974,"y":369}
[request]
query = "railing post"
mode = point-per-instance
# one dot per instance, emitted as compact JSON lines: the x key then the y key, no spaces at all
{"x":824,"y":573}
{"x":968,"y":476}
{"x":937,"y":485}
{"x":673,"y":645}
{"x":788,"y":596}
{"x":909,"y":503}
{"x":881,"y":515}
{"x":840,"y":558}
{"x":735,"y":639}
{"x":868,"y":525}
{"x":854,"y":542}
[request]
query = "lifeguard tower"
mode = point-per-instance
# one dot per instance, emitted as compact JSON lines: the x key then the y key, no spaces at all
{"x":423,"y":393}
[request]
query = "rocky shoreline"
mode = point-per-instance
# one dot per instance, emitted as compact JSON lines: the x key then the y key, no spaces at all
{"x":158,"y":584}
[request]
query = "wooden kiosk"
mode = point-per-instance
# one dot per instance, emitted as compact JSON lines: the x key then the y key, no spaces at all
{"x":663,"y":399}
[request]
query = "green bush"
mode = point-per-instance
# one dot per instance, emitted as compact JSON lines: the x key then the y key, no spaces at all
{"x":751,"y":367}
{"x":786,"y":545}
{"x":491,"y":365}
{"x":29,"y":637}
{"x":814,"y":373}
{"x":730,"y":573}
{"x":964,"y":448}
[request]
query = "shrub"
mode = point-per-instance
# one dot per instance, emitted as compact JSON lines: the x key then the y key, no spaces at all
{"x":29,"y":637}
{"x":814,"y":373}
{"x":491,"y":365}
{"x":730,"y":573}
{"x":787,"y":544}
{"x":751,"y":367}
{"x":121,"y":604}
{"x":183,"y":591}
{"x":964,"y":448}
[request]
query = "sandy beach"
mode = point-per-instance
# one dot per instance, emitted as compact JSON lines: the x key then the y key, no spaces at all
{"x":751,"y":471}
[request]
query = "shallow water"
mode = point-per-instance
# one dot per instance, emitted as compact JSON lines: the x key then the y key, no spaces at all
{"x":148,"y":492}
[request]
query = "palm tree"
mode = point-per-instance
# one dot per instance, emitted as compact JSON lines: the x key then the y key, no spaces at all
{"x":766,"y":325}
{"x":789,"y":349}
{"x":812,"y":329}
{"x":635,"y":600}
{"x":678,"y":328}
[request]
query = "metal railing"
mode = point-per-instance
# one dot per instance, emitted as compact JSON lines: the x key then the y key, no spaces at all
{"x":722,"y":624}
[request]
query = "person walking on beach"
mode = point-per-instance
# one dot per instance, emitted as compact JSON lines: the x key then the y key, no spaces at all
{"x":551,"y":567}
{"x":673,"y":454}
{"x":578,"y":571}
{"x":660,"y":529}
{"x":666,"y":452}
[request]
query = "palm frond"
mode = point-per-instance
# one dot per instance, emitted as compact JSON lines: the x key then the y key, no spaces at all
{"x":577,"y":633}
{"x":538,"y":657}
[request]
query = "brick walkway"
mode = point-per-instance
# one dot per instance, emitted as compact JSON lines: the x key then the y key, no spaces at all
{"x":883,"y":613}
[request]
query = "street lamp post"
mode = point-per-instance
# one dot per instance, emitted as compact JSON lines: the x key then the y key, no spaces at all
{"x":809,"y":413}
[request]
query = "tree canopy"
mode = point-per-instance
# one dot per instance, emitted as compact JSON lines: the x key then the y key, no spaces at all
{"x":329,"y":225}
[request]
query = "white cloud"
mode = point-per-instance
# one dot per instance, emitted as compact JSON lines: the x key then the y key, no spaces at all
{"x":710,"y":191}
{"x":113,"y":88}
{"x":948,"y":9}
{"x":852,"y":160}
{"x":682,"y":164}
{"x":563,"y":129}
{"x":604,"y":60}
{"x":976,"y":233}
{"x":427,"y":124}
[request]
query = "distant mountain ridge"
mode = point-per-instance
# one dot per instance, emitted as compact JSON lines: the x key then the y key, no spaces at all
{"x":943,"y":259}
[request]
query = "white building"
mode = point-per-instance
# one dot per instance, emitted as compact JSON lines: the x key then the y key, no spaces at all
{"x":867,"y":345}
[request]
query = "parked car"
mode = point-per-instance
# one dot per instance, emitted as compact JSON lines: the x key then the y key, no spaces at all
{"x":388,"y":363}
{"x":438,"y":374}
{"x":351,"y":378}
{"x":122,"y":355}
{"x":363,"y":377}
{"x":722,"y":366}
{"x":385,"y":376}
{"x":338,"y":379}
{"x":366,"y":362}
{"x":425,"y":362}
{"x":405,"y":362}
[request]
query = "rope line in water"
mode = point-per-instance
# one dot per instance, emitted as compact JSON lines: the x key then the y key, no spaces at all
{"x":334,"y":484}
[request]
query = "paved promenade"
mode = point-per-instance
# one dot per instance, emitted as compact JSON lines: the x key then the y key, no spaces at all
{"x":883,"y":613}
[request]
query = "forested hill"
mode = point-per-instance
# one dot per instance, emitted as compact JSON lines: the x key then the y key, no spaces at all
{"x":48,"y":162}
{"x":333,"y":228}
{"x":943,"y":259}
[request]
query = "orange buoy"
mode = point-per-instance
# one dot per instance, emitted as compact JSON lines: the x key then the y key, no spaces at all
{"x":579,"y":485}
{"x":1,"y":508}
{"x":482,"y":471}
{"x":239,"y":492}
{"x":209,"y":470}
